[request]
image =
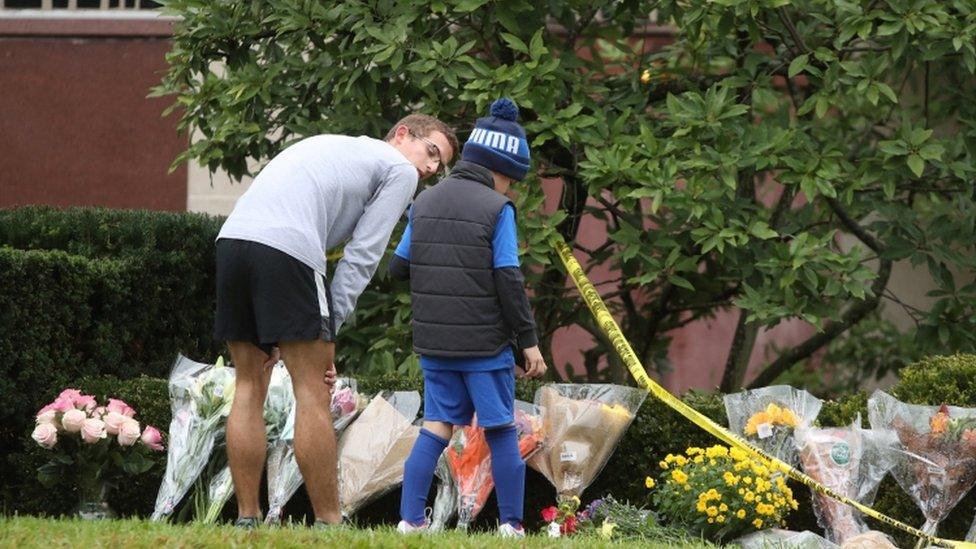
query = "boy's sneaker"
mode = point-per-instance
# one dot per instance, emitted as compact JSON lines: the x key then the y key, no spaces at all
{"x":406,"y":528}
{"x":508,"y":531}
{"x":247,"y":523}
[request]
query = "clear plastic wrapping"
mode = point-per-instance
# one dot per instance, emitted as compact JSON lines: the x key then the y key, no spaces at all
{"x":284,"y":477}
{"x":200,"y":399}
{"x":446,"y":498}
{"x":849,"y":460}
{"x":769,"y":415}
{"x":277,"y":406}
{"x":374,"y":447}
{"x":935,"y":460}
{"x":582,"y":424}
{"x":775,"y":538}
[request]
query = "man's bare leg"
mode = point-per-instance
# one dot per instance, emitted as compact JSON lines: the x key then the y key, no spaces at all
{"x":246,"y":440}
{"x":315,"y":441}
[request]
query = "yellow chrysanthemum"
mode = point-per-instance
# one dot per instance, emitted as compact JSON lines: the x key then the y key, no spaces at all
{"x":679,"y":476}
{"x":757,"y":419}
{"x":701,"y":506}
{"x":750,"y":497}
{"x":649,"y":483}
{"x":694,"y":450}
{"x":663,"y":464}
{"x":720,"y":519}
{"x":712,"y":511}
{"x":737,"y":454}
{"x":723,"y":508}
{"x":741,"y":513}
{"x":757,"y":523}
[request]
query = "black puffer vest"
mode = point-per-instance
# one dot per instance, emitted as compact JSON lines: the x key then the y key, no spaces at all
{"x":456,"y":311}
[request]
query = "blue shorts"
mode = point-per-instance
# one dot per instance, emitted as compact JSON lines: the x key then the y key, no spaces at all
{"x":453,"y":397}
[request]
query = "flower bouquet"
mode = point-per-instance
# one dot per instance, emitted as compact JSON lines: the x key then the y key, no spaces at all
{"x":284,"y":476}
{"x":374,"y":447}
{"x":446,"y":497}
{"x":90,"y":443}
{"x":277,"y":405}
{"x":200,"y":399}
{"x":469,"y":460}
{"x":721,"y":492}
{"x":852,"y":462}
{"x":935,"y":460}
{"x":768,"y":416}
{"x":582,"y":425}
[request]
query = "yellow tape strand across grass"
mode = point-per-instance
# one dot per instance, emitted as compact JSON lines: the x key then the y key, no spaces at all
{"x":609,"y":326}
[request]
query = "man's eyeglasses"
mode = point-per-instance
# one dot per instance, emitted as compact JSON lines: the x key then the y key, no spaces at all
{"x":433,"y":151}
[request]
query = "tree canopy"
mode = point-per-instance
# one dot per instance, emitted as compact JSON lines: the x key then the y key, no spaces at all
{"x":775,"y":158}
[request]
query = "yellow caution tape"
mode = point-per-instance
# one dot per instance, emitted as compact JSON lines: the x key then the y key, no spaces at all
{"x":609,"y":326}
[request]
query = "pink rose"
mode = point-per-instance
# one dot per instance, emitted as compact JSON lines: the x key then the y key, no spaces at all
{"x":58,"y":405}
{"x":85,"y":402}
{"x":99,"y":412}
{"x":116,"y":405}
{"x":129,"y":433}
{"x":73,"y":419}
{"x":46,"y":417}
{"x":45,"y":434}
{"x":344,"y":401}
{"x":92,"y":430}
{"x":152,"y":438}
{"x":70,"y":394}
{"x":113,"y":422}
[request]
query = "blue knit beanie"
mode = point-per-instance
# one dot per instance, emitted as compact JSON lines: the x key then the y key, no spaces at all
{"x":498,"y":142}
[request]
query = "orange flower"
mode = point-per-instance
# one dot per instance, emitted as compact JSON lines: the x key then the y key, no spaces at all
{"x":940,"y":421}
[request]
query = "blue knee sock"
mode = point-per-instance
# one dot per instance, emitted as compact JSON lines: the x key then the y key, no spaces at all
{"x":508,"y":470}
{"x":418,"y":472}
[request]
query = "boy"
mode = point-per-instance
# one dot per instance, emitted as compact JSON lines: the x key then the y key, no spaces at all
{"x":272,"y":290}
{"x":460,"y":252}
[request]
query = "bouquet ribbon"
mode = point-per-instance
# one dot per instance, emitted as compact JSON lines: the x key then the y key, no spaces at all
{"x":609,"y":326}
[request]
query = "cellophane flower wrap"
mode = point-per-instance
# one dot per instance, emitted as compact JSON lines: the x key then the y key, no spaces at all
{"x":851,"y":461}
{"x":445,"y":497}
{"x":767,"y":417}
{"x":374,"y":448}
{"x":277,"y":405}
{"x":935,"y":459}
{"x":469,"y":460}
{"x":92,"y":444}
{"x":582,"y":424}
{"x":284,"y":476}
{"x":200,"y":399}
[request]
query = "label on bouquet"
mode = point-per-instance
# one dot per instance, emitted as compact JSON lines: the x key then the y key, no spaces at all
{"x":764,"y":430}
{"x":840,"y":453}
{"x":567,"y":456}
{"x":553,"y":530}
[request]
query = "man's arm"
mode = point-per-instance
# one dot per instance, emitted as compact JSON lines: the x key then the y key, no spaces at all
{"x":363,"y":252}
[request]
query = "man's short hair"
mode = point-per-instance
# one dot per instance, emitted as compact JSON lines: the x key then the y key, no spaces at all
{"x":423,"y":125}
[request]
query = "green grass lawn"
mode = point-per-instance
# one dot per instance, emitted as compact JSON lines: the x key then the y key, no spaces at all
{"x":21,"y":532}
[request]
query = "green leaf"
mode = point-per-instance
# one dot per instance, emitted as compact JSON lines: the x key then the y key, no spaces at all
{"x":887,"y":91}
{"x":515,"y":42}
{"x":932,"y":151}
{"x":469,"y":5}
{"x":916,"y":164}
{"x":760,"y":229}
{"x":798,"y":64}
{"x":681,"y":282}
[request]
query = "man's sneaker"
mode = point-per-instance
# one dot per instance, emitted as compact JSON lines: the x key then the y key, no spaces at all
{"x":508,"y":531}
{"x":406,"y":528}
{"x":247,"y":523}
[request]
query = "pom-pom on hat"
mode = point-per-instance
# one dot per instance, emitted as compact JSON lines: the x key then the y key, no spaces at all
{"x":498,"y":141}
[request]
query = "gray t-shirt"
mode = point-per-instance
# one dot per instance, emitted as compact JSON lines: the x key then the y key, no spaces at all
{"x":321,"y":192}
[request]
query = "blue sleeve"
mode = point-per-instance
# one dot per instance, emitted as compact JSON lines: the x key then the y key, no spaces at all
{"x":403,"y":248}
{"x":504,"y":243}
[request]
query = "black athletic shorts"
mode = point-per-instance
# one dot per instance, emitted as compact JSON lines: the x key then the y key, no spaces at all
{"x":266,"y":296}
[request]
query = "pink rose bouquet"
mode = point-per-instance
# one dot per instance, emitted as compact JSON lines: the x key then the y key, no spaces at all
{"x":92,"y":444}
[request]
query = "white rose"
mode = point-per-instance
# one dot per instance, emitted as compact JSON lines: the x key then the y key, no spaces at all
{"x":129,"y":433}
{"x":73,"y":419}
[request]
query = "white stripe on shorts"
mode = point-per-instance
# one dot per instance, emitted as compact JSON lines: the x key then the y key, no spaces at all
{"x":323,"y":300}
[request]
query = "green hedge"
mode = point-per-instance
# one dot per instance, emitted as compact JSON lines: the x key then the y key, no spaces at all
{"x":656,"y":431}
{"x":90,"y":291}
